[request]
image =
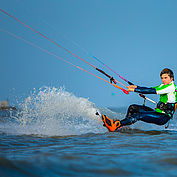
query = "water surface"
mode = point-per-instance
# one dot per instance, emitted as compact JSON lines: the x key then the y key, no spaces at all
{"x":58,"y":134}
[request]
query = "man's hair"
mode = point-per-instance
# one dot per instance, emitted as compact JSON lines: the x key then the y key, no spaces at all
{"x":167,"y":71}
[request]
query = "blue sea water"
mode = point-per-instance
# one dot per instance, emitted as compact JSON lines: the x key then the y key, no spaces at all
{"x":55,"y":133}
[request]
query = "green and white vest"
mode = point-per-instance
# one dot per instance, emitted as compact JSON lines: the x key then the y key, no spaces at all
{"x":168,"y":93}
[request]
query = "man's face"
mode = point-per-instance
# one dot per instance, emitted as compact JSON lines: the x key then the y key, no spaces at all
{"x":166,"y":79}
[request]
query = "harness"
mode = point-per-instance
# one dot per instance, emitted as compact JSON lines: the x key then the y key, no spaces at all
{"x":167,"y":108}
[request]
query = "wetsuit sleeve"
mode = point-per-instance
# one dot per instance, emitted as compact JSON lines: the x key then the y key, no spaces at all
{"x":145,"y":90}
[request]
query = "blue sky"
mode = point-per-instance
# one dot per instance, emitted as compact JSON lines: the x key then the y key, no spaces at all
{"x":135,"y":38}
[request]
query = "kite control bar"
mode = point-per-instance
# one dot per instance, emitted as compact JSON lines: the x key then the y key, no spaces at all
{"x":111,"y":78}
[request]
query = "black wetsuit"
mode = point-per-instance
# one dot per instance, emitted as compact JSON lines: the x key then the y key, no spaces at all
{"x":147,"y":114}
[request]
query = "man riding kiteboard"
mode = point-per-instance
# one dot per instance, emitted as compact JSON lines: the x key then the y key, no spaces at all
{"x":162,"y":113}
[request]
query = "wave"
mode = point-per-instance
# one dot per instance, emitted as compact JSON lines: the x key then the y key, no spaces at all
{"x":54,"y":112}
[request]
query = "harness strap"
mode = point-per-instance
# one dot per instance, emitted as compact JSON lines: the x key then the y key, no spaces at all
{"x":175,"y":107}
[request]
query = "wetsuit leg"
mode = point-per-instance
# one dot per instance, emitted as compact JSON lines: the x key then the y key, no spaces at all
{"x":154,"y":117}
{"x":145,"y":114}
{"x":134,"y":108}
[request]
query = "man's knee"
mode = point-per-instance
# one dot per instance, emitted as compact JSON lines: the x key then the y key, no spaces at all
{"x":133,"y":108}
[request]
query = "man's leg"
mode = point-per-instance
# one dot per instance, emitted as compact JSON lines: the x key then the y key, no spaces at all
{"x":146,"y":115}
{"x":133,"y":114}
{"x":154,"y":118}
{"x":134,"y":108}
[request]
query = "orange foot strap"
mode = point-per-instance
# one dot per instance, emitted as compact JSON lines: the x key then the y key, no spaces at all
{"x":111,"y":125}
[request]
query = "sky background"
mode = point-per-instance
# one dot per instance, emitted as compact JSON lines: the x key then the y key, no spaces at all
{"x":135,"y":38}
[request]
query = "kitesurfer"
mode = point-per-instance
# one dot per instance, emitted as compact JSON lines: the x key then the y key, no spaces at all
{"x":162,"y":113}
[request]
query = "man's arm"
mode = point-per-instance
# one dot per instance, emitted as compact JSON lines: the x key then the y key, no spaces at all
{"x":145,"y":90}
